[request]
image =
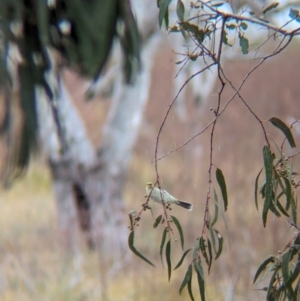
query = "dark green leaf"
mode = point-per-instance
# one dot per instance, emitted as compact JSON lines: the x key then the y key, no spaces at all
{"x":271,"y":286}
{"x":216,"y":209}
{"x":262,"y":267}
{"x":181,"y":259}
{"x":284,"y":128}
{"x":288,"y":193}
{"x":294,"y":209}
{"x":190,"y":289}
{"x":163,"y":12}
{"x":187,"y":277}
{"x":288,"y":278}
{"x":200,"y":278}
{"x":180,"y":10}
{"x":294,"y":14}
{"x":168,"y":258}
{"x":134,"y":250}
{"x":225,"y":38}
{"x":244,"y":25}
{"x":256,"y":188}
{"x":209,"y":253}
{"x":281,"y":209}
{"x":271,"y":6}
{"x":268,"y":163}
{"x":163,"y":239}
{"x":157,"y":221}
{"x":203,"y":250}
{"x":178,"y":226}
{"x":244,"y":43}
{"x":220,"y":244}
{"x":222,"y":184}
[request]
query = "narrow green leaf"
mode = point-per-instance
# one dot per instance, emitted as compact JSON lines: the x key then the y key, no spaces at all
{"x":294,"y":209}
{"x":181,"y":259}
{"x":168,"y":258}
{"x":134,"y":250}
{"x":285,"y":129}
{"x":271,"y":6}
{"x":180,"y":10}
{"x":196,"y":248}
{"x":281,"y":209}
{"x":190,"y":289}
{"x":213,"y":239}
{"x":163,"y":240}
{"x":178,"y":226}
{"x":210,"y":254}
{"x":244,"y":43}
{"x":287,"y":278}
{"x":186,"y":279}
{"x":268,"y":163}
{"x":220,"y":244}
{"x":288,"y":192}
{"x":163,"y":12}
{"x":271,"y":286}
{"x":222,"y":184}
{"x":200,"y":278}
{"x":157,"y":221}
{"x":203,"y":249}
{"x":216,"y":209}
{"x":256,"y":189}
{"x":262,"y":267}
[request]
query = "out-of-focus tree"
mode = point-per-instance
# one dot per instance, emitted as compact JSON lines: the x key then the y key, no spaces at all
{"x":39,"y":40}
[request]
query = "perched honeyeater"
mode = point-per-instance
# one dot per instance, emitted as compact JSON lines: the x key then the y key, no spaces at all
{"x":158,"y":195}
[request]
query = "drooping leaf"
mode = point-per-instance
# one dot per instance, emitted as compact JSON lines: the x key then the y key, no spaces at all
{"x":163,"y":239}
{"x":216,"y":209}
{"x":220,"y":243}
{"x":168,"y":258}
{"x":281,"y":209}
{"x":157,"y":221}
{"x":186,"y":279}
{"x":268,"y":163}
{"x":271,"y":6}
{"x":200,"y":277}
{"x":285,"y":261}
{"x":244,"y":43}
{"x":256,"y":189}
{"x":222,"y":184}
{"x":190,"y":289}
{"x":178,"y":226}
{"x":288,"y":193}
{"x":181,"y":259}
{"x":203,"y":249}
{"x":285,"y":129}
{"x":180,"y":10}
{"x":163,"y":12}
{"x":293,"y":208}
{"x":262,"y":267}
{"x":135,"y":251}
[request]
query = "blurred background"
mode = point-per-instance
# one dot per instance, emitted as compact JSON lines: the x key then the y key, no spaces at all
{"x":34,"y":265}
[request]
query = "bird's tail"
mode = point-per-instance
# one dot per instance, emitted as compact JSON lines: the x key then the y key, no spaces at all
{"x":185,"y":205}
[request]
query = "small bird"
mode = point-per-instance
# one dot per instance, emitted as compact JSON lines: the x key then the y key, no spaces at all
{"x":158,"y":195}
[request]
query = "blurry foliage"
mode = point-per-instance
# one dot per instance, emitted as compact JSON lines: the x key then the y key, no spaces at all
{"x":81,"y":32}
